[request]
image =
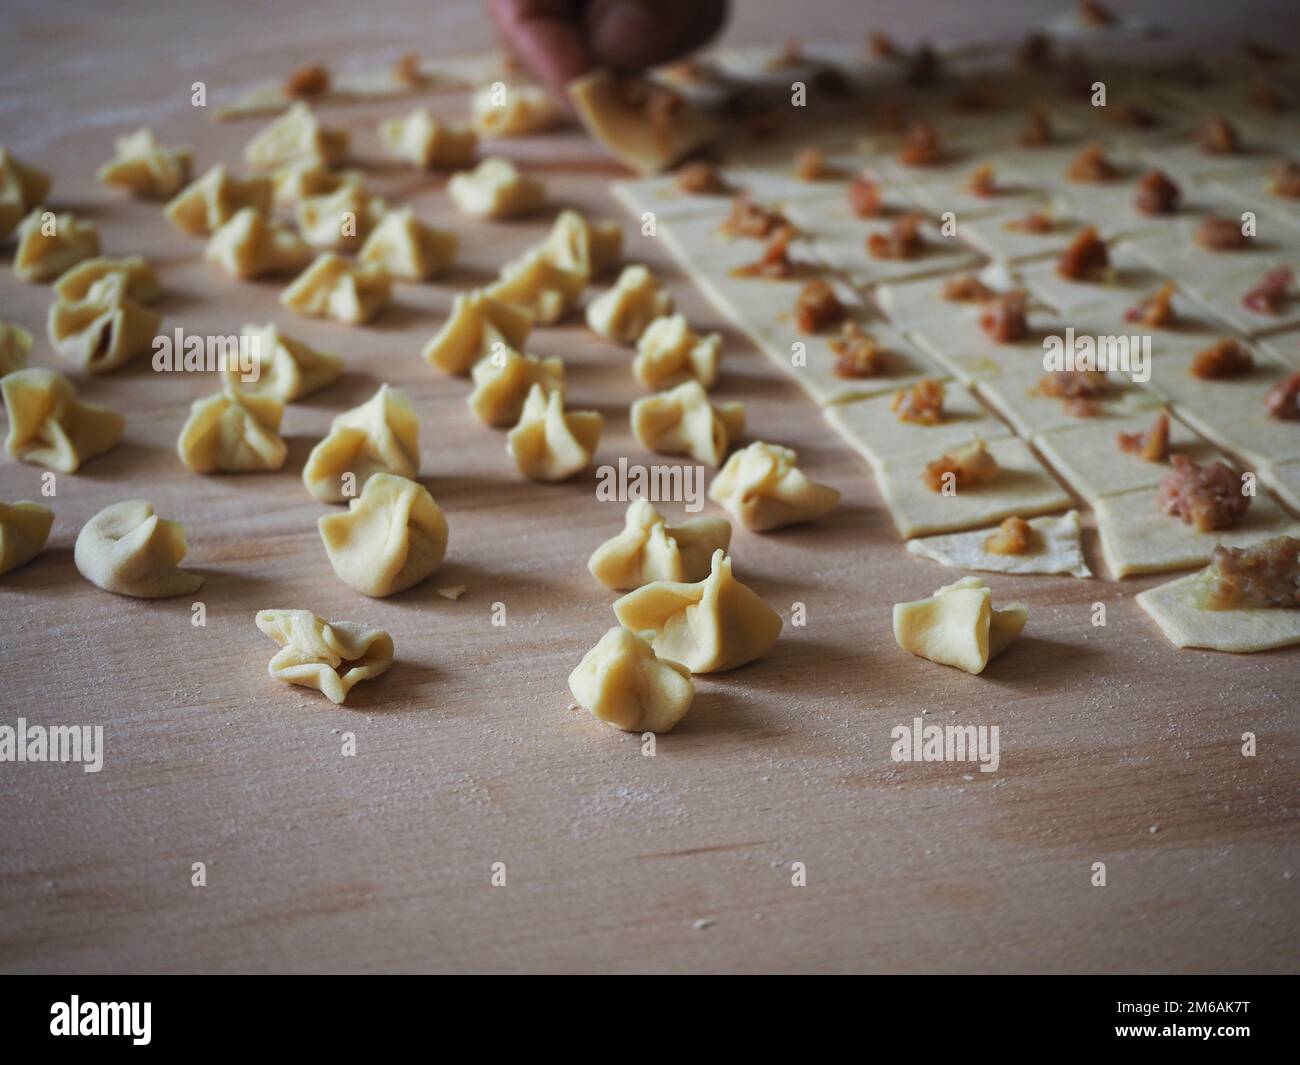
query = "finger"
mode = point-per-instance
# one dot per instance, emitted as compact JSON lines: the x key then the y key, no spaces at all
{"x":633,"y":34}
{"x":546,"y":35}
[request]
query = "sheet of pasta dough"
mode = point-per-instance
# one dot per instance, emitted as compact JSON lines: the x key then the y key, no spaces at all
{"x":1058,"y":549}
{"x":1173,"y":607}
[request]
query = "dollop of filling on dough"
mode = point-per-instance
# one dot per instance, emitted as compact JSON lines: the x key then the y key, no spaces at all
{"x":1266,"y":574}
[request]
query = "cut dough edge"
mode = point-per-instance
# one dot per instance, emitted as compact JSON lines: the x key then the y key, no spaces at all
{"x":1172,"y":607}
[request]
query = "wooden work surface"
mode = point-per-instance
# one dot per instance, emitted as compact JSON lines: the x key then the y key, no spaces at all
{"x":1115,"y":747}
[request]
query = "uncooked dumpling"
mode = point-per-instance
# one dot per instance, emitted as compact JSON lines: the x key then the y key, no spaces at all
{"x":670,"y":353}
{"x":622,"y":312}
{"x":24,"y":528}
{"x":475,"y":327}
{"x":138,"y":274}
{"x":502,"y":110}
{"x":495,"y":189}
{"x":392,"y":536}
{"x":550,"y":444}
{"x":764,"y":489}
{"x":958,"y":625}
{"x":49,"y":426}
{"x":709,"y":626}
{"x":408,"y":248}
{"x":503,"y":380}
{"x":22,"y":187}
{"x":296,"y":136}
{"x":294,"y":183}
{"x":331,"y":656}
{"x":145,"y":167}
{"x":682,"y":421}
{"x":421,"y":139}
{"x":342,"y":219}
{"x":105,"y":329}
{"x":534,"y":282}
{"x":49,"y":244}
{"x":648,"y":549}
{"x":624,"y":683}
{"x":126,"y":548}
{"x":283,"y":367}
{"x":252,"y":245}
{"x":582,"y":247}
{"x":380,"y":436}
{"x":205,"y":205}
{"x":646,"y":125}
{"x":15,"y":346}
{"x":233,"y":432}
{"x":333,"y":287}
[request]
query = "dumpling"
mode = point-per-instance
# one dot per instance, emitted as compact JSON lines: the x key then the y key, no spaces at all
{"x":622,"y":312}
{"x":476,"y":325}
{"x":15,"y":347}
{"x":495,"y":189}
{"x":514,"y":110}
{"x":958,"y":625}
{"x":22,"y":187}
{"x":380,"y":436}
{"x":391,"y":537}
{"x":233,"y":432}
{"x":105,"y":329}
{"x":709,"y":626}
{"x":421,"y":139}
{"x":583,"y":247}
{"x":409,"y":248}
{"x":205,"y":205}
{"x":146,"y":168}
{"x":333,"y":287}
{"x":49,"y":244}
{"x":284,"y":367}
{"x":340,"y":220}
{"x":764,"y":489}
{"x":331,"y":656}
{"x":24,"y":528}
{"x":669,"y":353}
{"x":126,"y":548}
{"x":650,"y":550}
{"x":534,"y":282}
{"x":681,"y":421}
{"x":137,"y":272}
{"x":296,"y":136}
{"x":624,"y":683}
{"x":293,"y":183}
{"x":251,"y":245}
{"x":549,"y":444}
{"x":49,"y":426}
{"x":503,"y":380}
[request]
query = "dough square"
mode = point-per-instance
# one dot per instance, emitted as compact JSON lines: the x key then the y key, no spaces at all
{"x":661,"y":196}
{"x":954,"y":338}
{"x":1134,"y":277}
{"x":1173,"y":607}
{"x":1016,"y":189}
{"x":1112,"y":206}
{"x":1058,"y":549}
{"x":1173,"y":251}
{"x":1013,"y":392}
{"x":1221,"y":294}
{"x":1284,"y":479}
{"x":1187,"y":163}
{"x":1136,"y":537}
{"x":1025,"y":488}
{"x":1284,"y":347}
{"x":989,"y":233}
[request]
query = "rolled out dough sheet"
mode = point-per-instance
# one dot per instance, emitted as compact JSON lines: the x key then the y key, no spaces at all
{"x":1173,"y":607}
{"x":1058,"y":549}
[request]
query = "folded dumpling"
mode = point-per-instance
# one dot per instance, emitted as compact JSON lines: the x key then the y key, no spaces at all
{"x":622,"y":312}
{"x":958,"y":625}
{"x":380,"y":436}
{"x":330,"y":656}
{"x":475,"y":327}
{"x":549,"y":444}
{"x":296,"y":136}
{"x":583,"y":247}
{"x":624,"y":683}
{"x":340,"y":220}
{"x":126,"y":548}
{"x":293,"y":183}
{"x":391,"y":537}
{"x":714,"y":624}
{"x":495,"y":189}
{"x":144,"y":167}
{"x":49,"y":244}
{"x":501,"y":110}
{"x":104,"y":329}
{"x":333,"y":287}
{"x":49,"y":426}
{"x":205,"y":205}
{"x":650,"y":550}
{"x":252,"y":244}
{"x":421,"y":139}
{"x":24,"y":528}
{"x":138,"y":274}
{"x":503,"y":380}
{"x":233,"y":432}
{"x":409,"y":248}
{"x":669,"y":352}
{"x":15,"y":347}
{"x":682,"y":421}
{"x":534,"y":282}
{"x":22,"y":187}
{"x":764,"y":489}
{"x":281,"y":366}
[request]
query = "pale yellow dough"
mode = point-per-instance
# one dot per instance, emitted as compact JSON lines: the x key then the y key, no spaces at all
{"x":294,"y":183}
{"x":503,"y":380}
{"x":281,"y":366}
{"x":682,"y":421}
{"x":380,"y":436}
{"x":1173,"y":607}
{"x":409,"y":248}
{"x":105,"y":328}
{"x":477,"y":326}
{"x":15,"y":347}
{"x":550,"y":444}
{"x":331,"y":656}
{"x":233,"y":432}
{"x":495,"y":189}
{"x":340,"y":220}
{"x":501,"y":110}
{"x":144,"y":167}
{"x":49,"y":244}
{"x":252,"y":244}
{"x":533,"y":282}
{"x":583,"y":247}
{"x":127,"y":549}
{"x":625,"y":684}
{"x":648,"y":549}
{"x":1056,"y":547}
{"x":138,"y":274}
{"x":22,"y":187}
{"x":623,"y":312}
{"x":333,"y":287}
{"x":958,"y":625}
{"x":422,"y":140}
{"x":49,"y":426}
{"x":764,"y":488}
{"x":296,"y":136}
{"x":24,"y":528}
{"x":670,"y":353}
{"x":205,"y":205}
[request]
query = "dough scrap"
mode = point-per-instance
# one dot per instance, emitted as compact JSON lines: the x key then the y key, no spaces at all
{"x":1173,"y":607}
{"x":391,"y":537}
{"x":409,"y":248}
{"x":380,"y":436}
{"x":648,"y":139}
{"x":495,"y":189}
{"x":139,"y":275}
{"x":682,"y":421}
{"x":503,"y":380}
{"x":334,"y":287}
{"x":958,"y":626}
{"x":233,"y":432}
{"x":42,"y":255}
{"x":670,"y":353}
{"x":623,"y":312}
{"x":477,"y":326}
{"x":331,"y":656}
{"x":1058,"y":548}
{"x":421,"y":139}
{"x":624,"y":683}
{"x":765,"y":490}
{"x":15,"y":347}
{"x":24,"y":528}
{"x":708,"y":626}
{"x":281,"y":366}
{"x":22,"y":187}
{"x":550,"y":444}
{"x":205,"y":205}
{"x":146,"y":168}
{"x":103,"y":330}
{"x":49,"y":426}
{"x":523,"y":110}
{"x":648,"y":549}
{"x":296,"y":136}
{"x":126,"y":548}
{"x":340,"y":220}
{"x":252,"y":244}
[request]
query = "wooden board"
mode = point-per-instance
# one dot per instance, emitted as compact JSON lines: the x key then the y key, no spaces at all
{"x":1115,"y":747}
